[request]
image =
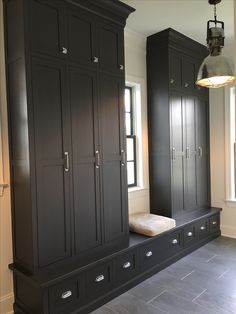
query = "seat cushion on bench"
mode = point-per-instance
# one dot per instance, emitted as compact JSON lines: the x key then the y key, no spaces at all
{"x":149,"y":224}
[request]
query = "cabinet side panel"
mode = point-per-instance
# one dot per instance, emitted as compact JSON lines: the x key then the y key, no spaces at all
{"x":18,"y":133}
{"x":159,"y":131}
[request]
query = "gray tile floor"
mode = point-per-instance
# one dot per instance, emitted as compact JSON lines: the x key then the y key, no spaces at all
{"x":202,"y":282}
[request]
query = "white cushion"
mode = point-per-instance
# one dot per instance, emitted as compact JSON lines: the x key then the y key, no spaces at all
{"x":149,"y":224}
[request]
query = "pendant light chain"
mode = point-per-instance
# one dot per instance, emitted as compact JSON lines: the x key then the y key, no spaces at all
{"x":215,"y":15}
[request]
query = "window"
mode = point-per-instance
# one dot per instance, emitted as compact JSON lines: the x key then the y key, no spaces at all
{"x":230,"y":139}
{"x":130,"y":137}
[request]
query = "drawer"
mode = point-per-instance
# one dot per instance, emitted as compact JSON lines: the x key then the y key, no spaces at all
{"x":190,"y":235}
{"x":150,"y":254}
{"x":98,"y":280}
{"x":215,"y":223}
{"x":203,"y":228}
{"x":172,"y":243}
{"x":125,"y":266}
{"x":63,"y":295}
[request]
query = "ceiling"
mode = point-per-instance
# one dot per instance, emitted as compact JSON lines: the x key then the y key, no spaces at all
{"x":186,"y":16}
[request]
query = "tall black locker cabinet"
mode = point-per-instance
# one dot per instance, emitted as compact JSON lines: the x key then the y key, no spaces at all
{"x":178,"y":114}
{"x":65,"y":75}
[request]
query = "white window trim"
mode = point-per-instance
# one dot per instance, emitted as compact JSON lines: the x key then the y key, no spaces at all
{"x":230,"y":120}
{"x":140,"y":125}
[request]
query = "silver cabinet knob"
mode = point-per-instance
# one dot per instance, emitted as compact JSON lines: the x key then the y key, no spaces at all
{"x":121,"y":67}
{"x":186,"y":85}
{"x":95,"y":59}
{"x":64,"y":50}
{"x":66,"y":294}
{"x":214,"y":222}
{"x":100,"y":278}
{"x":149,"y":254}
{"x":172,"y":81}
{"x":126,"y":265}
{"x":203,"y":228}
{"x":174,"y":241}
{"x":189,"y":234}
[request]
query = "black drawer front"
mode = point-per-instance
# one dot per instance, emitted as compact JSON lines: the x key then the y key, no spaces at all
{"x":98,"y":280}
{"x":172,"y":244}
{"x":190,"y":235}
{"x":125,"y":266}
{"x":150,"y":254}
{"x":203,"y":228}
{"x":63,"y":295}
{"x":215,"y":223}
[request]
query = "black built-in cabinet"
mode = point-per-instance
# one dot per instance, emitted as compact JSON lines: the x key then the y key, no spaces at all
{"x":178,"y":116}
{"x":65,"y":73}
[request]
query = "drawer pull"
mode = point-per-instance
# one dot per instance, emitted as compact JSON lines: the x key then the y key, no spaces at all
{"x":95,"y":59}
{"x":214,"y":222}
{"x":186,"y":85}
{"x":121,"y":67}
{"x":203,"y":228}
{"x":149,"y":254}
{"x":64,"y":50}
{"x":189,"y":234}
{"x":100,"y":278}
{"x":174,"y":241}
{"x":66,"y":294}
{"x":126,"y":265}
{"x":172,"y":81}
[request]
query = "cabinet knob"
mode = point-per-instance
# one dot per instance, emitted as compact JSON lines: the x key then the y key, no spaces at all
{"x":203,"y":228}
{"x":174,"y":241}
{"x":186,"y":85}
{"x":66,"y":294}
{"x":172,"y":81}
{"x":121,"y":67}
{"x":64,"y":50}
{"x":149,"y":254}
{"x":95,"y":59}
{"x":100,"y":278}
{"x":189,"y":234}
{"x":126,"y":265}
{"x":214,"y":222}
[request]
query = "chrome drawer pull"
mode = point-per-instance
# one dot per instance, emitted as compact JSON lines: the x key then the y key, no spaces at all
{"x":67,"y":162}
{"x":66,"y":294}
{"x":189,"y":234}
{"x":203,"y":228}
{"x":97,"y":159}
{"x":149,"y":254}
{"x":100,"y":278}
{"x":126,"y":265}
{"x":214,"y":222}
{"x":174,"y":241}
{"x":64,"y":50}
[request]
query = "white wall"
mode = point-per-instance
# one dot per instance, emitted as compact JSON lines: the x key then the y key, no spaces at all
{"x":135,"y":63}
{"x":6,"y":289}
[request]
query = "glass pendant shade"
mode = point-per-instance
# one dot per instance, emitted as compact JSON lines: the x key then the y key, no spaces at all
{"x":215,"y":71}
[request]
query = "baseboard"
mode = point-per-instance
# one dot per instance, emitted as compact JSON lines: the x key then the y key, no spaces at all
{"x":6,"y":304}
{"x":228,"y":231}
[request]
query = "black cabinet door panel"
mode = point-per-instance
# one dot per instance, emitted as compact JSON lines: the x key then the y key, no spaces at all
{"x":84,"y":119}
{"x":175,"y":69}
{"x":47,"y":27}
{"x":114,"y":173}
{"x":111,"y":51}
{"x":81,"y":38}
{"x":188,"y":73}
{"x":51,"y":142}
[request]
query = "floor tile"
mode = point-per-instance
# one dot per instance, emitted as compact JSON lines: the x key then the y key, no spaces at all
{"x":147,"y":291}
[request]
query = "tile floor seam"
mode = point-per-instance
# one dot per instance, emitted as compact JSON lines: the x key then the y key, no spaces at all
{"x":157,"y":296}
{"x":187,"y":275}
{"x":199,"y":295}
{"x":211,"y":258}
{"x":222,"y":274}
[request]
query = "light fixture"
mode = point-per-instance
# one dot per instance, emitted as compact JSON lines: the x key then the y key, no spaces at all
{"x":216,"y":70}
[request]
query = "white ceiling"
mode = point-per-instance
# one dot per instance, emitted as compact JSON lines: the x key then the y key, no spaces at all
{"x":186,"y":16}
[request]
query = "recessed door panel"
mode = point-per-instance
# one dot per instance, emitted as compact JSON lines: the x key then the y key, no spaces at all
{"x":175,"y":70}
{"x":85,"y":173}
{"x":51,"y":141}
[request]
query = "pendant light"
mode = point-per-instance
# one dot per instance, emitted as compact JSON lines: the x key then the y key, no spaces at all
{"x":216,"y":70}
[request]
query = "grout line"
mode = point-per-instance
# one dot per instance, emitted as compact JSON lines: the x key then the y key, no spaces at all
{"x":199,"y":295}
{"x":157,"y":296}
{"x":222,"y":274}
{"x":211,"y":258}
{"x":187,"y":275}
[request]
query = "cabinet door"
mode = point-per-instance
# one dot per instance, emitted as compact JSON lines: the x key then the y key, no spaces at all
{"x":190,"y":153}
{"x":47,"y":27}
{"x":113,"y":167}
{"x":202,"y":148}
{"x":111,"y":49}
{"x":175,"y":70}
{"x":84,"y":123}
{"x":188,"y":73}
{"x":176,"y":113}
{"x":51,"y":142}
{"x":81,"y":38}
